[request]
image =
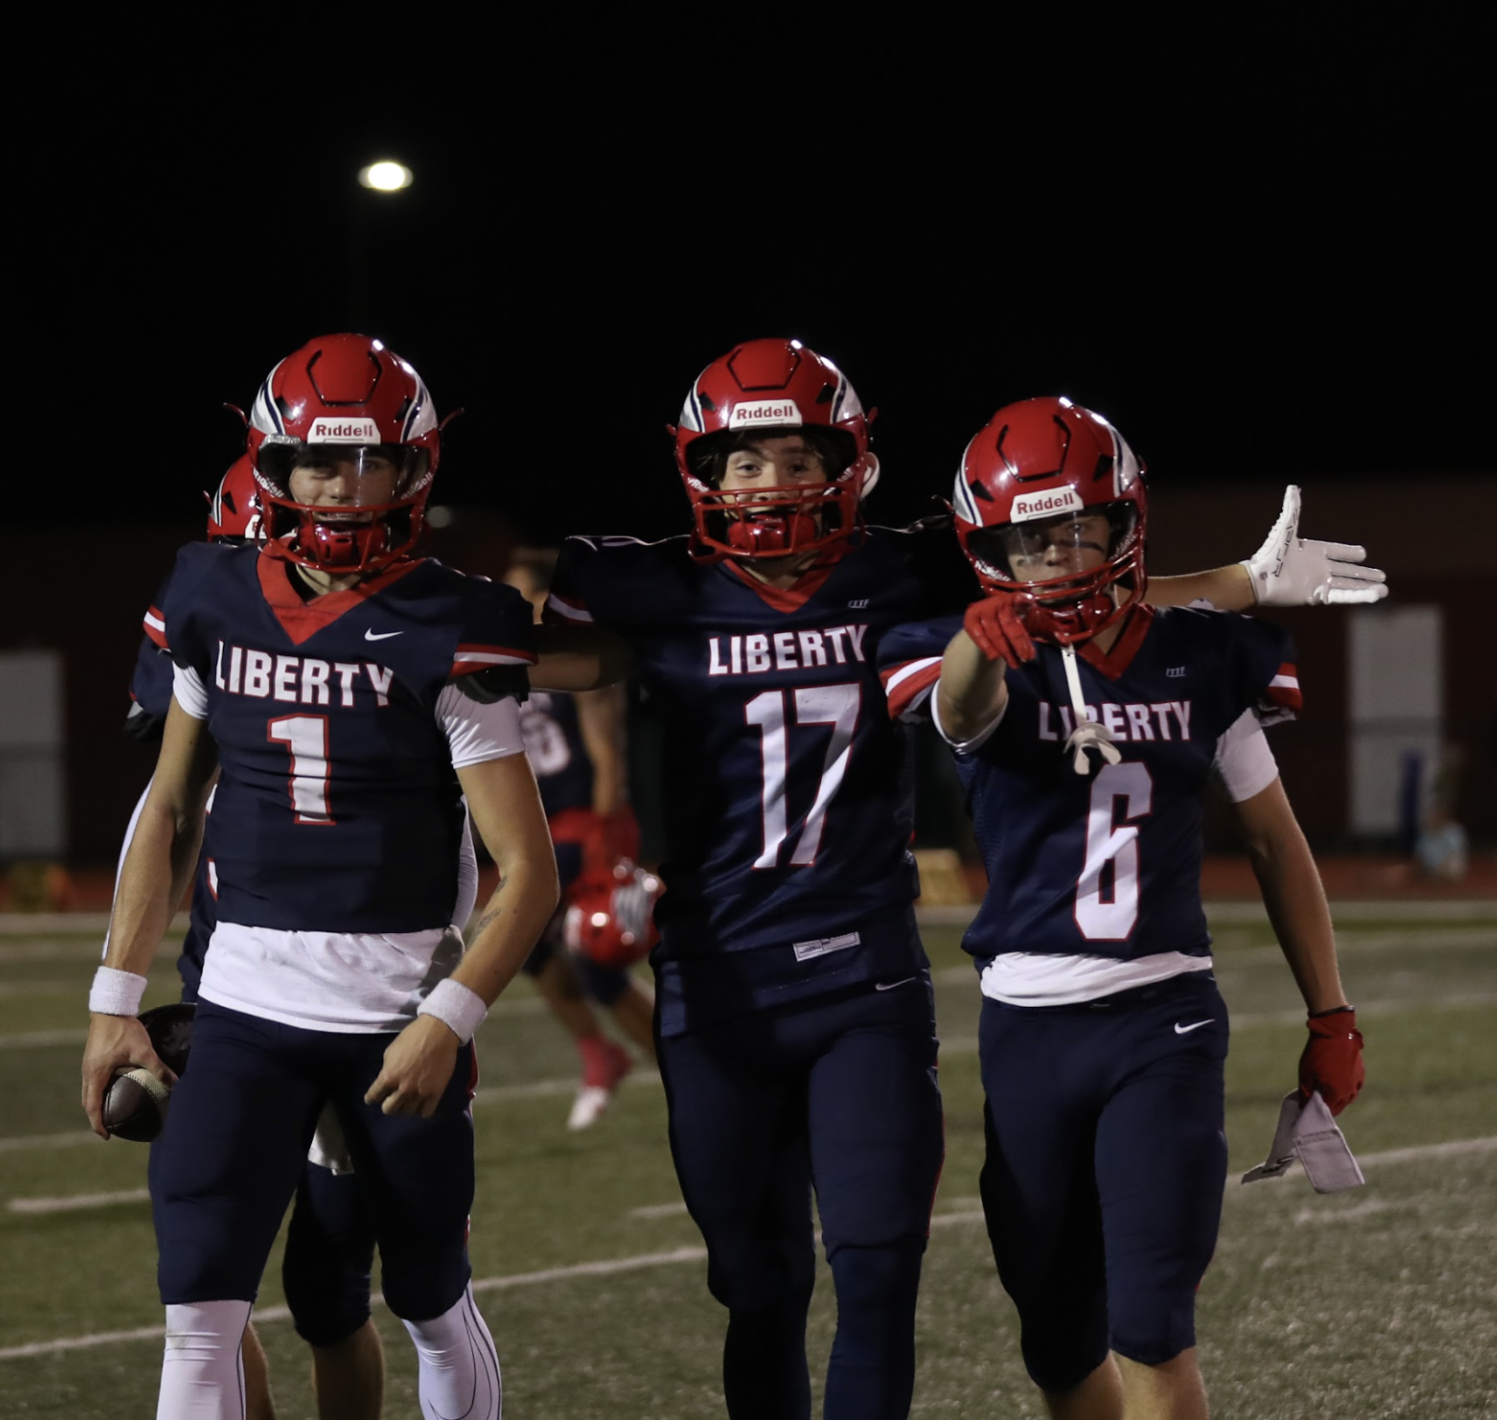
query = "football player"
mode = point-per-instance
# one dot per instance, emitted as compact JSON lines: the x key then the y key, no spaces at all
{"x":330,"y":1245}
{"x":577,"y":749}
{"x":350,"y":696}
{"x":795,"y":1025}
{"x":1086,"y":726}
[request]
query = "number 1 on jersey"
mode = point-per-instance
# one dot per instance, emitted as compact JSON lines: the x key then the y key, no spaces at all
{"x":834,"y":705}
{"x":306,"y":737}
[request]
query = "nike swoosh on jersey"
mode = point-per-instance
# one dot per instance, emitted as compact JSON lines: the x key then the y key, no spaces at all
{"x":890,"y":985}
{"x":380,"y":635}
{"x":1195,"y":1025}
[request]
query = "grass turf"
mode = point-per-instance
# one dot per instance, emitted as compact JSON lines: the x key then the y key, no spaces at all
{"x":1374,"y":1303}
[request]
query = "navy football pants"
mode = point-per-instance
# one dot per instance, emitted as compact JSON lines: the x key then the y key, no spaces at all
{"x":1106,"y":1157}
{"x":330,"y":1244}
{"x":838,"y":1094}
{"x":230,"y":1160}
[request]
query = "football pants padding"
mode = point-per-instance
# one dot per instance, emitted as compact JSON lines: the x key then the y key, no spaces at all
{"x":872,"y":1371}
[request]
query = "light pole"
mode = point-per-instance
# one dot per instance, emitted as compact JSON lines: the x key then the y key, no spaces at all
{"x":383,"y":178}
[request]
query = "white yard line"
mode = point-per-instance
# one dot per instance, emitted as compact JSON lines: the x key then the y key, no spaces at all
{"x":494,"y":1094}
{"x":78,"y":1201}
{"x":641,"y":1261}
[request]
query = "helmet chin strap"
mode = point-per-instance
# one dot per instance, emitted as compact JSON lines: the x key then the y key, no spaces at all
{"x":346,"y":546}
{"x":771,"y":534}
{"x":1088,"y":734}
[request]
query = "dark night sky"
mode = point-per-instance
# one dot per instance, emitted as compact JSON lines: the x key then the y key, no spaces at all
{"x":1254,"y":244}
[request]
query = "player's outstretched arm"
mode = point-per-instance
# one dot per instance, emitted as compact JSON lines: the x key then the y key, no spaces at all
{"x":1288,"y":570}
{"x":601,"y":720}
{"x":153,"y":879}
{"x":971,"y":692}
{"x":505,"y":807}
{"x":1297,"y":908}
{"x":579,"y":658}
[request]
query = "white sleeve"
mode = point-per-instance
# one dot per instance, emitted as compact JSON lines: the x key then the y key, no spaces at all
{"x":962,"y":746}
{"x":1244,"y":763}
{"x":189,"y":692}
{"x":477,"y":732}
{"x":467,"y":875}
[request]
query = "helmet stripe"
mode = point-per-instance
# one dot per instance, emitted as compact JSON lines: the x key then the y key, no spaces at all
{"x":961,"y":498}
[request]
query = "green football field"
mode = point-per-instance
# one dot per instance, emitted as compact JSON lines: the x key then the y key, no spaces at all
{"x":1377,"y":1302}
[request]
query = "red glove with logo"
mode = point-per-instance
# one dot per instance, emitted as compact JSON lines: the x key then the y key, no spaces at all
{"x":996,"y":627}
{"x":1332,"y":1059}
{"x":611,"y":837}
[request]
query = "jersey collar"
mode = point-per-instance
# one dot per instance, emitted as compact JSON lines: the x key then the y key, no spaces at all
{"x":301,"y":620}
{"x":795,"y":596}
{"x":1124,"y":649}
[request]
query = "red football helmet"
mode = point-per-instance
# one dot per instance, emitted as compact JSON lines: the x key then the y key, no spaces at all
{"x":355,"y":416}
{"x":610,"y":915}
{"x":234,"y":510}
{"x":1030,"y":488}
{"x":773,"y":389}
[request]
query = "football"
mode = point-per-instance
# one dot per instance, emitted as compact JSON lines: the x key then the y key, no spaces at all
{"x":135,"y":1105}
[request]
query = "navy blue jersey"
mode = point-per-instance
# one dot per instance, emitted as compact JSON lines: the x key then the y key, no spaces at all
{"x":151,"y":683}
{"x":337,"y":807}
{"x":786,"y":789}
{"x":1108,"y":864}
{"x":553,"y":744}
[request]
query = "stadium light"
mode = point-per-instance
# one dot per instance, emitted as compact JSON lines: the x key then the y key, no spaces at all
{"x":385,"y":176}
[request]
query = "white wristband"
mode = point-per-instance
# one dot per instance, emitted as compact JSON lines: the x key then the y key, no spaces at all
{"x":116,"y":993}
{"x":459,"y":1009}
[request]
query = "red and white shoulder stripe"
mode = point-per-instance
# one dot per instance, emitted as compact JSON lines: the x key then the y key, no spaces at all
{"x":566,"y":612}
{"x":155,"y":627}
{"x":470,"y":658}
{"x":1281,"y":696}
{"x":908,"y":684}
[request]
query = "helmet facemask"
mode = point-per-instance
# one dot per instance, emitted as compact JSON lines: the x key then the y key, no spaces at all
{"x":1067,"y":606}
{"x":386,"y":487}
{"x":779,"y":520}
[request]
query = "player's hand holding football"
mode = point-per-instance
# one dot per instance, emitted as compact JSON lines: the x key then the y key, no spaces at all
{"x":997,"y":630}
{"x":1331,"y":1064}
{"x":115,"y":1043}
{"x":418,"y":1064}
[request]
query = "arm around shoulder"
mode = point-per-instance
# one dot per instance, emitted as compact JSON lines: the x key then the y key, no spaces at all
{"x":580,"y":658}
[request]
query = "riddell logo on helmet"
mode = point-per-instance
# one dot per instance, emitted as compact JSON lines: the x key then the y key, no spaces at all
{"x":1046,"y":505}
{"x":343,"y":431}
{"x":761,"y":413}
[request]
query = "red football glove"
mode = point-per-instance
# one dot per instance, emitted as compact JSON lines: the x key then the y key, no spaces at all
{"x":995,"y":626}
{"x":1332,"y":1059}
{"x":611,"y":837}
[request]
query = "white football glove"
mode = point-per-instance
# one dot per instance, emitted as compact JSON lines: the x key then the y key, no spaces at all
{"x":1299,"y":571}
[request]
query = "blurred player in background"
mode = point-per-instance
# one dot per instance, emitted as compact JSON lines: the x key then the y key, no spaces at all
{"x":330,"y":1244}
{"x":578,"y":750}
{"x":795,"y":1020}
{"x":350,"y":696}
{"x":1086,"y":725}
